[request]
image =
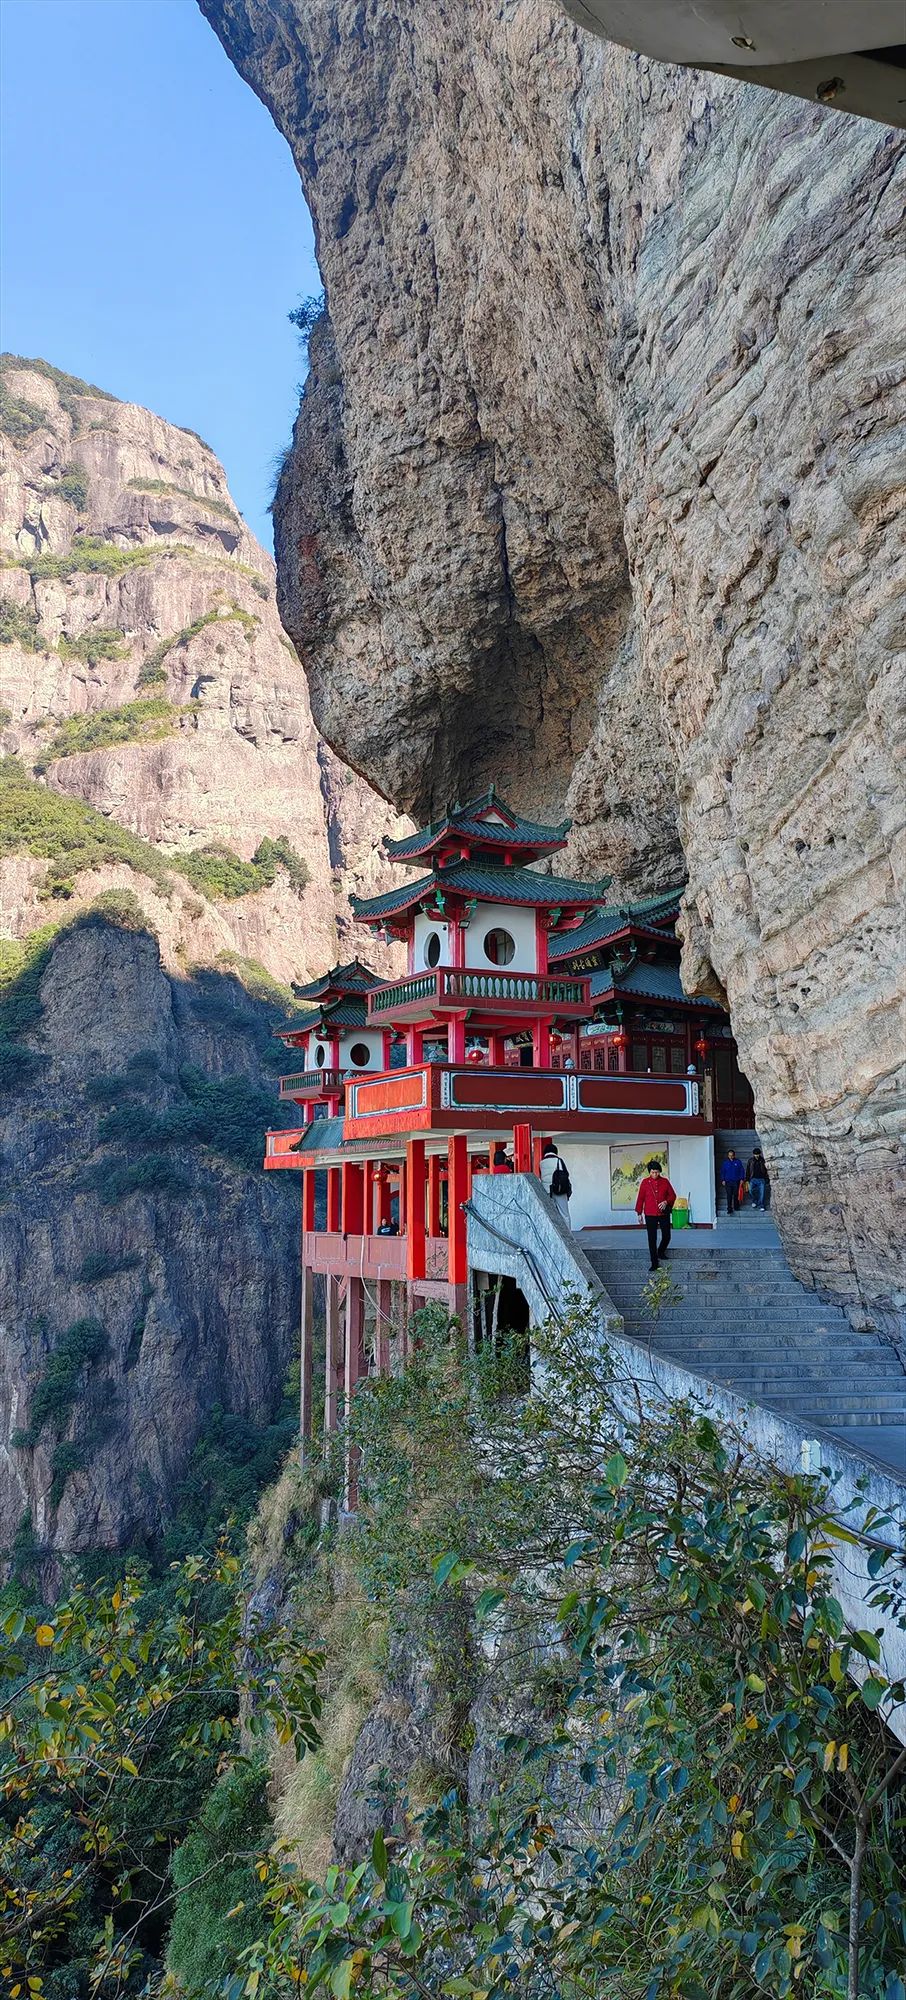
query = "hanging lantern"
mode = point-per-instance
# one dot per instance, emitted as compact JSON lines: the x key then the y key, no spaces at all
{"x":620,"y":1040}
{"x":701,"y":1048}
{"x":557,"y":1040}
{"x":475,"y":1055}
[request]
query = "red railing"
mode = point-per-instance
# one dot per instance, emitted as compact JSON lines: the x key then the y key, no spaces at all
{"x":454,"y":986}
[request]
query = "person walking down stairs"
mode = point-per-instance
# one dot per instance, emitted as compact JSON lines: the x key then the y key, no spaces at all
{"x":654,"y":1206}
{"x":759,"y":1180}
{"x":732,"y":1174}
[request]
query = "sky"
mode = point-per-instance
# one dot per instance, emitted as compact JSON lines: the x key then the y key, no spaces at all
{"x":153,"y":232}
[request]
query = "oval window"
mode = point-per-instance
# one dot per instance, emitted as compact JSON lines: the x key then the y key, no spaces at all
{"x":432,"y":948}
{"x":499,"y":947}
{"x":320,"y":1054}
{"x":360,"y":1055}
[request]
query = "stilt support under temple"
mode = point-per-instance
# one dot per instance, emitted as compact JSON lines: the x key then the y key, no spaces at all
{"x":306,"y":1318}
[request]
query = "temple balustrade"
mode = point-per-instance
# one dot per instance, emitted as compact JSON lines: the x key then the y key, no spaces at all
{"x":445,"y":1096}
{"x":313,"y":1083}
{"x":451,"y":986}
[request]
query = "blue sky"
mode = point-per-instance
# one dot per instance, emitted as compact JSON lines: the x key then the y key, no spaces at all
{"x":154,"y":233}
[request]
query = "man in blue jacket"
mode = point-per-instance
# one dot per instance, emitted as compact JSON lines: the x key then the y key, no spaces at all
{"x":732,"y":1174}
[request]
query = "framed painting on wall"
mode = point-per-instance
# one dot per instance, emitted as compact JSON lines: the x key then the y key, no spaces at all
{"x":627,"y":1166}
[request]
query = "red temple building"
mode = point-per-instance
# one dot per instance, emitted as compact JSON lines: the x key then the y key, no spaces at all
{"x":530,"y":1010}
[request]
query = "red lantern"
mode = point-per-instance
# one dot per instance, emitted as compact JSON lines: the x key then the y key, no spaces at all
{"x":557,"y":1040}
{"x":475,"y":1055}
{"x":620,"y":1040}
{"x":701,"y":1048}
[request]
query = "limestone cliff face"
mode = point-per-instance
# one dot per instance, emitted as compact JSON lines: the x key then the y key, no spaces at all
{"x":593,"y":489}
{"x":174,"y":604}
{"x":185,"y":1255}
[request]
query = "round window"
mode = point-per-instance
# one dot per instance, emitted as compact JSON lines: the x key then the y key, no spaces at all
{"x":320,"y":1055}
{"x":432,"y":948}
{"x":360,"y":1055}
{"x":499,"y":947}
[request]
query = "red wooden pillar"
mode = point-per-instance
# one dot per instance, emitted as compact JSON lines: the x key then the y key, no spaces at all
{"x":308,"y":1202}
{"x":382,"y":1186}
{"x":414,"y":1040}
{"x":355,"y":1368}
{"x":415,"y":1209}
{"x":538,"y":1144}
{"x":333,"y":1200}
{"x":522,"y":1149}
{"x":305,"y":1344}
{"x":497,"y":1052}
{"x":353,"y":1199}
{"x":401,"y":1204}
{"x":541,"y":1044}
{"x":434,"y":1167}
{"x":457,"y":1192}
{"x":383,"y":1325}
{"x":456,"y":1038}
{"x":332,"y":1357}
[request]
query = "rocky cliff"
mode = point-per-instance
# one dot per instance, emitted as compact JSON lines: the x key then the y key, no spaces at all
{"x":177,"y":844}
{"x":146,"y":673}
{"x":150,"y":1268}
{"x":593,"y":490}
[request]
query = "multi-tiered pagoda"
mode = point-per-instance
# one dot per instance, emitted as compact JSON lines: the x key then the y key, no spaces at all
{"x":410,"y":1084}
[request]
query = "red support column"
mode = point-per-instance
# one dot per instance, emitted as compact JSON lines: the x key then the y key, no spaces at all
{"x":457,"y":1192}
{"x":522,"y":1149}
{"x":456,"y":1038}
{"x":541,"y":1044}
{"x":434,"y":1167}
{"x":541,"y":965}
{"x":383,"y":1325}
{"x":332,"y":1357}
{"x":383,"y":1190}
{"x":538,"y":1144}
{"x":497,"y":1052}
{"x":415,"y":1208}
{"x":305,"y":1344}
{"x":355,"y":1368}
{"x":308,"y":1201}
{"x":414,"y":1038}
{"x":333,"y":1200}
{"x":353,"y":1199}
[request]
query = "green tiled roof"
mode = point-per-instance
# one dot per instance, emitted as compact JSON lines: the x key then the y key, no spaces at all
{"x":649,"y":915}
{"x":488,"y":884}
{"x":349,"y":1013}
{"x":648,"y":982}
{"x":322,"y":1135}
{"x":467,"y":820}
{"x":354,"y":977}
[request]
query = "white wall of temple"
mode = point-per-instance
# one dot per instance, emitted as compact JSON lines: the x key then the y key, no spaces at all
{"x":603,"y":1179}
{"x":356,"y":1043}
{"x":519,"y":925}
{"x":425,"y":928}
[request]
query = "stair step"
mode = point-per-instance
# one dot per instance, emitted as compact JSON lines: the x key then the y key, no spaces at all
{"x":770,"y":1367}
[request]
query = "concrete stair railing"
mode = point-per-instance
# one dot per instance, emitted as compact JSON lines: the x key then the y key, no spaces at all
{"x":515,"y":1231}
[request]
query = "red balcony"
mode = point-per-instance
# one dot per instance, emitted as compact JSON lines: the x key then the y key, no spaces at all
{"x":441,"y":1096}
{"x":455,"y":989}
{"x":281,"y":1148}
{"x":312,"y":1083}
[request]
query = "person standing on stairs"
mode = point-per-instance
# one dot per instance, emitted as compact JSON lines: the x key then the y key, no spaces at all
{"x":759,"y":1180}
{"x":654,"y":1206}
{"x":732,"y":1174}
{"x":555,"y":1180}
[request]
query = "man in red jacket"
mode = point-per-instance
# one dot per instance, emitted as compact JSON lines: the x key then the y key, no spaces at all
{"x":654,"y":1207}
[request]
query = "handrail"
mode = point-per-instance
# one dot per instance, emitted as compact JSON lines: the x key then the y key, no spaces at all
{"x":328,"y":1080}
{"x":455,"y":982}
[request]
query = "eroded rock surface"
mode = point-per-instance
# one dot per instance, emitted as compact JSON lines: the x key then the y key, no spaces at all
{"x":194,"y":625}
{"x":191,"y":1270}
{"x":593,"y":490}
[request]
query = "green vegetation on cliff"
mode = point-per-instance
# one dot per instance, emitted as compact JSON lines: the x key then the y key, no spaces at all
{"x":681,"y":1790}
{"x":216,"y":871}
{"x":19,"y":626}
{"x":152,"y":669}
{"x":163,"y":487}
{"x":73,"y":837}
{"x":104,"y":728}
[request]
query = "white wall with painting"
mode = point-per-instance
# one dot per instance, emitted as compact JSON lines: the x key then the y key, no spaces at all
{"x":690,"y":1168}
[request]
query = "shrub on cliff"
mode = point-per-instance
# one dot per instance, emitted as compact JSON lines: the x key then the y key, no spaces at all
{"x":691,"y":1795}
{"x":102,"y":729}
{"x":34,"y":819}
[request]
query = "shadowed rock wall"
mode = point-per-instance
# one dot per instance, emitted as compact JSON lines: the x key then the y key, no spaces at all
{"x":592,"y":490}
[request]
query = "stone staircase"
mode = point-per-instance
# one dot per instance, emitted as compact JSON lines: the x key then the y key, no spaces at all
{"x":738,"y":1317}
